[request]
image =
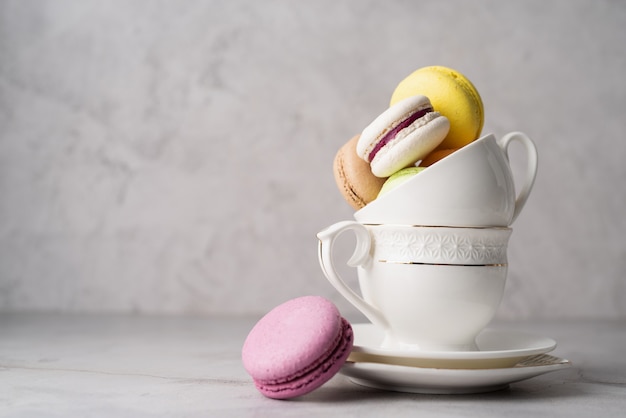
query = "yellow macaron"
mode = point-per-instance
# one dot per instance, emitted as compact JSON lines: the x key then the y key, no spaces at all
{"x":452,"y":95}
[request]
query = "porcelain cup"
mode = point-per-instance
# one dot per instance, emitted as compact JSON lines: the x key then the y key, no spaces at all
{"x":471,"y":187}
{"x":428,"y":288}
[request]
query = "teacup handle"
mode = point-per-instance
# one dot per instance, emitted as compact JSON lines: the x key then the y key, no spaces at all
{"x":360,"y":256}
{"x":531,"y":167}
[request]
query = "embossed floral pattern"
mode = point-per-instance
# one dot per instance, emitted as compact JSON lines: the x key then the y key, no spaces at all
{"x":462,"y":246}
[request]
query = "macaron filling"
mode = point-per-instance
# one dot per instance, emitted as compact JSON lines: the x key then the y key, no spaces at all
{"x":392,"y":133}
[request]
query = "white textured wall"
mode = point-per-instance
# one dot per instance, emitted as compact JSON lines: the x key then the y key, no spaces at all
{"x":175,"y":157}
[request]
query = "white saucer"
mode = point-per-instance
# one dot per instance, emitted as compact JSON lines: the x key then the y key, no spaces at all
{"x":496,"y":349}
{"x":448,"y":381}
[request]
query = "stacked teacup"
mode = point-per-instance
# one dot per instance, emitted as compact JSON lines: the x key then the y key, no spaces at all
{"x":431,"y":253}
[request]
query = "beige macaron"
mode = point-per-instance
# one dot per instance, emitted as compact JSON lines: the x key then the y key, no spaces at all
{"x":354,"y":177}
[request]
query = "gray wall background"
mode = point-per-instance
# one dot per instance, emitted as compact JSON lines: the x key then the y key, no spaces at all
{"x":175,"y":157}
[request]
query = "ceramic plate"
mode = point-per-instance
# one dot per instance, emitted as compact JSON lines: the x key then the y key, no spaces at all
{"x":448,"y":381}
{"x":496,"y":349}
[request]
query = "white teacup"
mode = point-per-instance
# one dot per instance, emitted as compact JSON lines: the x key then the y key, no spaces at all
{"x":428,"y":288}
{"x":470,"y":187}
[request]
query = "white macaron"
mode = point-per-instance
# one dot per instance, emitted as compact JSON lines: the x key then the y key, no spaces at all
{"x":402,"y":135}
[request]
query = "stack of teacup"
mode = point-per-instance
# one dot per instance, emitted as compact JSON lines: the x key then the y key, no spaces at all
{"x":431,"y":253}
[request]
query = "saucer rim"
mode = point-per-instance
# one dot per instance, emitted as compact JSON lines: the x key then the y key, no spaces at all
{"x":401,"y":378}
{"x":544,"y":345}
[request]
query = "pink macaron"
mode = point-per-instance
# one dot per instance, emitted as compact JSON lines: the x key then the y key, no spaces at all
{"x":297,"y":347}
{"x":402,"y":135}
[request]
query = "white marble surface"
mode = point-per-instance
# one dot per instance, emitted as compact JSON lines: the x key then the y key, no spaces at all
{"x":175,"y":157}
{"x":132,"y":366}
